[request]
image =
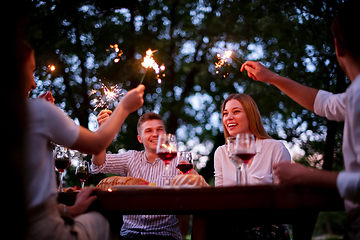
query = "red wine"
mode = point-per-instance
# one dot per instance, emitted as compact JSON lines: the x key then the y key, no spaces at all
{"x":62,"y":163}
{"x":184,"y":167}
{"x":82,"y":175}
{"x":245,"y":156}
{"x":167,"y":156}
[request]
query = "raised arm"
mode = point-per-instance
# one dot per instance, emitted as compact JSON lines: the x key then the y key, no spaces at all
{"x":99,"y":159}
{"x":96,"y":142}
{"x":301,"y":94}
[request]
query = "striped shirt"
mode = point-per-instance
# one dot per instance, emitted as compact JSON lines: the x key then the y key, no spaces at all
{"x":134,"y":164}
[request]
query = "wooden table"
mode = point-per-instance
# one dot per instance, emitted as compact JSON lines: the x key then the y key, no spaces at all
{"x":263,"y":204}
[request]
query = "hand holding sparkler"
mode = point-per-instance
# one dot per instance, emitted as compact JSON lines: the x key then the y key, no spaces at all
{"x":48,"y":94}
{"x":103,"y":116}
{"x":133,"y":99}
{"x":258,"y":72}
{"x":48,"y":97}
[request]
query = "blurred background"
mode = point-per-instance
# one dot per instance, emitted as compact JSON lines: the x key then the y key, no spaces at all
{"x":292,"y":38}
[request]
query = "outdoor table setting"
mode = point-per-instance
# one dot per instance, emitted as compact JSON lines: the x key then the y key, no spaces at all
{"x":189,"y":194}
{"x":294,"y":205}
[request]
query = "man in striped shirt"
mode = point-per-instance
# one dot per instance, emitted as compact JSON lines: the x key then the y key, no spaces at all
{"x":144,"y":164}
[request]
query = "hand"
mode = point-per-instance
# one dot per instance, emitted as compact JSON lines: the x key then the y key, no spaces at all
{"x":291,"y":173}
{"x":83,"y":201}
{"x":103,"y":116}
{"x":257,"y":71}
{"x":133,"y":99}
{"x":47,"y":96}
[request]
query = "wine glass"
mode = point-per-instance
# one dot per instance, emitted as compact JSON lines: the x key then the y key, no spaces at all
{"x":184,"y":162}
{"x":245,"y":149}
{"x":167,"y":150}
{"x":62,"y":161}
{"x":82,"y":171}
{"x":230,"y":148}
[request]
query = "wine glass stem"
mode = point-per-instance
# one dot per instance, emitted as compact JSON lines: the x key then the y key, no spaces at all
{"x":238,"y":176}
{"x":82,"y":184}
{"x":60,"y":183}
{"x":167,"y":182}
{"x":245,"y":173}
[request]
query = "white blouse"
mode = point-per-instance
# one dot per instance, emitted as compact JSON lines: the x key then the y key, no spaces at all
{"x":269,"y":152}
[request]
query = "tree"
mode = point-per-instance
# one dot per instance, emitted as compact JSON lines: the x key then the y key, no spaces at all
{"x":292,"y":38}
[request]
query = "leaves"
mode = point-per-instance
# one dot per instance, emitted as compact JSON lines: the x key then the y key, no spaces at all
{"x":292,"y":38}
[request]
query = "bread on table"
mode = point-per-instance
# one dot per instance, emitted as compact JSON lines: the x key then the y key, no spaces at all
{"x":108,"y":182}
{"x":189,"y":180}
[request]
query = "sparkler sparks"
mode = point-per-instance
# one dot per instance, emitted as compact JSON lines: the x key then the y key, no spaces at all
{"x":51,"y":68}
{"x":109,"y":97}
{"x":118,"y":51}
{"x":223,"y":61}
{"x":149,"y":62}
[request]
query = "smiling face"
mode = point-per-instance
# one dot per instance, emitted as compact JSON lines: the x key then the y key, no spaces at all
{"x":149,"y":133}
{"x":234,"y":118}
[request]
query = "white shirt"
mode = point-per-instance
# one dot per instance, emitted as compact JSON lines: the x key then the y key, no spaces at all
{"x":269,"y":152}
{"x":134,"y":164}
{"x":46,"y":124}
{"x":346,"y":107}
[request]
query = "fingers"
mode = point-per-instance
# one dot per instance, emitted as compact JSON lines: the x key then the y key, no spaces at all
{"x":103,"y":116}
{"x":47,"y":96}
{"x":141,"y":87}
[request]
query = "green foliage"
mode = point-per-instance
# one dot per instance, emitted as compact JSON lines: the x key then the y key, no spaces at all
{"x":292,"y":38}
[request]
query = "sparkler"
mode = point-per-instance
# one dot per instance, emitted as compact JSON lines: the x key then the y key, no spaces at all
{"x":109,"y":96}
{"x":223,"y":61}
{"x":118,"y":51}
{"x":149,"y":62}
{"x":52,"y":69}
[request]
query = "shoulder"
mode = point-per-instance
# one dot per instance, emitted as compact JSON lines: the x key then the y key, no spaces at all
{"x":220,"y":150}
{"x":276,"y":148}
{"x":273,"y":143}
{"x":123,"y":154}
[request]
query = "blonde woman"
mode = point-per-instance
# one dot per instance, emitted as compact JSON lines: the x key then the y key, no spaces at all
{"x":241,"y":115}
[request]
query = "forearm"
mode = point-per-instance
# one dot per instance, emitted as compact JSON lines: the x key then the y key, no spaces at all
{"x":99,"y":159}
{"x":321,"y":178}
{"x":301,"y":94}
{"x":96,"y":142}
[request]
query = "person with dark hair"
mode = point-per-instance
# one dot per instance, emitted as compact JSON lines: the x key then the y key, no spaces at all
{"x":338,"y":107}
{"x":46,"y":123}
{"x":141,"y":164}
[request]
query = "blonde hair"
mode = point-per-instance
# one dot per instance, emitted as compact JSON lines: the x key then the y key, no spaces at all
{"x":252,"y":114}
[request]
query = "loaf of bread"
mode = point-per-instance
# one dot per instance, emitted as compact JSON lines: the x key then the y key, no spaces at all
{"x":189,"y":180}
{"x":106,"y":183}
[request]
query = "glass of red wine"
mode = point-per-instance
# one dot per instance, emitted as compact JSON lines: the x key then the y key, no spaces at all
{"x":245,"y":149}
{"x":167,"y":150}
{"x":62,"y":159}
{"x":230,"y":148}
{"x":184,"y":162}
{"x":82,"y":172}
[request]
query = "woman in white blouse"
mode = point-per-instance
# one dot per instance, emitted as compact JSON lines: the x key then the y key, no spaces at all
{"x":241,"y":115}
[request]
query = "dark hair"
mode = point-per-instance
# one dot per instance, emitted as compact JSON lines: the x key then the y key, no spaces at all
{"x":147,"y":117}
{"x":344,"y":24}
{"x":23,"y":52}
